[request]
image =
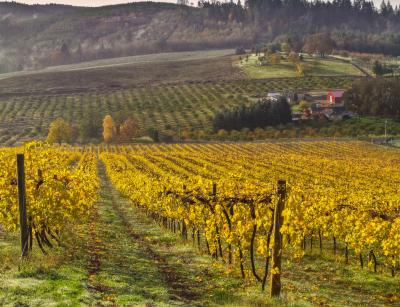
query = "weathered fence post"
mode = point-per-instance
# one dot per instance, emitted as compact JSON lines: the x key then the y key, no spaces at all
{"x":214,"y":189}
{"x":275,"y":283}
{"x":22,"y":205}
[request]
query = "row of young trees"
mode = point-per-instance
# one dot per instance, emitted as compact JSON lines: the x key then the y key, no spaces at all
{"x":261,"y":114}
{"x":60,"y":131}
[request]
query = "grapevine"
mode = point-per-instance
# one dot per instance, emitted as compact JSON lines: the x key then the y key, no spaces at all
{"x":61,"y":187}
{"x":340,"y":192}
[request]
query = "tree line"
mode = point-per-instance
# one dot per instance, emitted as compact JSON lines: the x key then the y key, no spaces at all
{"x":357,"y":25}
{"x":339,"y":9}
{"x":61,"y":131}
{"x":354,"y":25}
{"x":376,"y":97}
{"x":262,"y":114}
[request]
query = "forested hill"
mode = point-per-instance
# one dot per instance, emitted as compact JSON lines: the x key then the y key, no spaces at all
{"x":42,"y":35}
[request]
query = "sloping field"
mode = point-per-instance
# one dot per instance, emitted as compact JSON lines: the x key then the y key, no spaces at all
{"x":131,"y":60}
{"x":121,"y":76}
{"x":186,"y":106}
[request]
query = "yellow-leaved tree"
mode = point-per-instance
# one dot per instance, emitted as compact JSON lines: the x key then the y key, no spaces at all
{"x":60,"y":131}
{"x":109,"y":129}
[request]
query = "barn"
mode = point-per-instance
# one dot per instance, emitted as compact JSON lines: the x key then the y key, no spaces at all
{"x":334,"y":97}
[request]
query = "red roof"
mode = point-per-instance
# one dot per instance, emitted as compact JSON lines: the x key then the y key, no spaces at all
{"x":336,"y":94}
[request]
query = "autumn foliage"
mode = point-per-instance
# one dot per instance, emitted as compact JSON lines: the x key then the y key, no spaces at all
{"x":128,"y":130}
{"x":60,"y":131}
{"x":123,"y":133}
{"x":109,"y":129}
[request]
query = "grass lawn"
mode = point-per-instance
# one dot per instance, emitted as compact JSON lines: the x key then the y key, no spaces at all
{"x":57,"y":279}
{"x":395,"y":143}
{"x":320,"y":67}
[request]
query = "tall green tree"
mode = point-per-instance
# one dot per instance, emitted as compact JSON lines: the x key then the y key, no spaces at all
{"x":60,"y":131}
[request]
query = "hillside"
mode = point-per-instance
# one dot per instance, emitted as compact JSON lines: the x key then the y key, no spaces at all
{"x":103,"y":75}
{"x":53,"y":35}
{"x":170,"y":92}
{"x":49,"y":35}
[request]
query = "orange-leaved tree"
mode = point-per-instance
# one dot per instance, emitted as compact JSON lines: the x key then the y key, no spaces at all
{"x":128,"y":130}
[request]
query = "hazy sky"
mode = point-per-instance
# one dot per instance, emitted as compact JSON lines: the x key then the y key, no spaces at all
{"x":108,"y":2}
{"x":83,"y":2}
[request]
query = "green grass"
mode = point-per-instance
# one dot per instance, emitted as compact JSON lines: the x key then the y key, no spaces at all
{"x":127,"y":273}
{"x":255,"y":71}
{"x":319,"y":67}
{"x":325,"y":279}
{"x":395,"y":143}
{"x":56,"y":279}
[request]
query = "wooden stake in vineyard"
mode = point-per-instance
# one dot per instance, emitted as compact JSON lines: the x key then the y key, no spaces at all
{"x":276,"y":268}
{"x":22,"y":204}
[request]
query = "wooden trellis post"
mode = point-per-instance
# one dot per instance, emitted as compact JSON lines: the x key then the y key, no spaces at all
{"x":22,"y":205}
{"x":276,"y":268}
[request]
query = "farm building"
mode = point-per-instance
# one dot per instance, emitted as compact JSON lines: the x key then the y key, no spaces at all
{"x":334,"y":97}
{"x":274,"y":96}
{"x":336,"y":113}
{"x":329,"y":106}
{"x":290,"y":96}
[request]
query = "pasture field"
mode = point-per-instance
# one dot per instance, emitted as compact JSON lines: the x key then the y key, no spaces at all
{"x":286,"y":69}
{"x":156,"y":235}
{"x":186,"y":106}
{"x":130,"y":60}
{"x":80,"y":78}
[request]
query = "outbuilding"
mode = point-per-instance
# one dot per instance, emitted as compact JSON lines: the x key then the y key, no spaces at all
{"x":334,"y":97}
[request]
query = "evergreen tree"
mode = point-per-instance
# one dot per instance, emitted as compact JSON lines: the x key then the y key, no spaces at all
{"x":263,"y":113}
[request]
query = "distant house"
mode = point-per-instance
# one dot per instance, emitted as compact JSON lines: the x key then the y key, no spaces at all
{"x":332,"y":107}
{"x":328,"y":106}
{"x":318,"y":98}
{"x":317,"y":55}
{"x":334,"y":97}
{"x":274,"y":96}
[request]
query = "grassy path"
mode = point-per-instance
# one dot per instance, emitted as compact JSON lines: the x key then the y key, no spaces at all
{"x":134,"y":261}
{"x":119,"y":269}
